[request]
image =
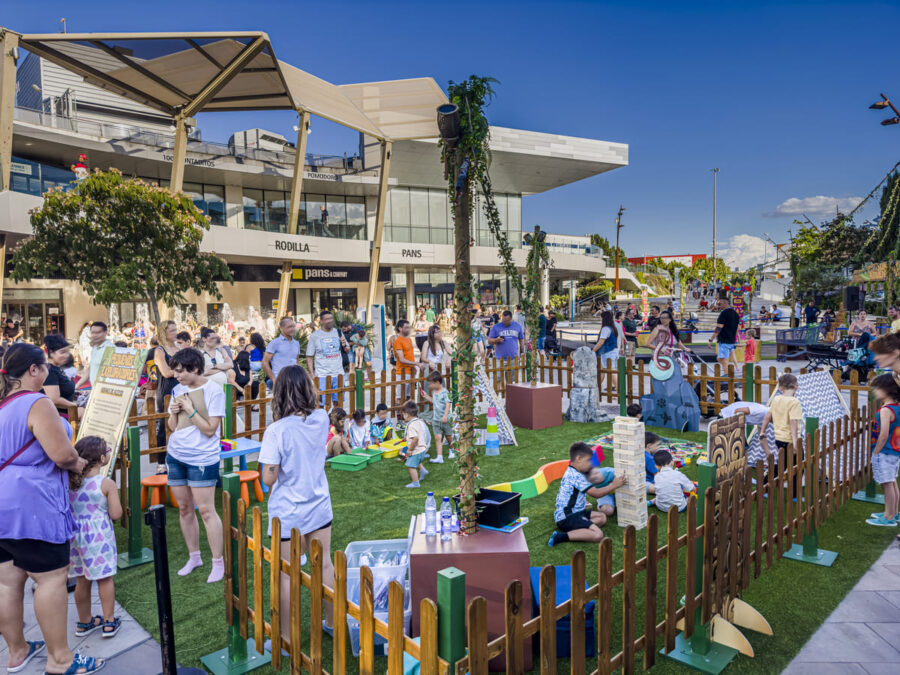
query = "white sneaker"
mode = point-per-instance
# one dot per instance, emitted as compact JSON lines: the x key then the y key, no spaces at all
{"x":424,"y":472}
{"x":414,"y":484}
{"x":437,"y":460}
{"x":451,"y":455}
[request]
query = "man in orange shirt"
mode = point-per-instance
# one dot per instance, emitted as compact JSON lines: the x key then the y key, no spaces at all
{"x":403,"y":350}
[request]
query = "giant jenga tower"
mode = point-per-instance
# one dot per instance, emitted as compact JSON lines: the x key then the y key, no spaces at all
{"x":628,"y":460}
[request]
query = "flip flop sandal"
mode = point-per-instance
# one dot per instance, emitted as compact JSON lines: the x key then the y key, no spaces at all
{"x":113,"y":627}
{"x":89,"y":663}
{"x":34,"y":648}
{"x":82,"y":629}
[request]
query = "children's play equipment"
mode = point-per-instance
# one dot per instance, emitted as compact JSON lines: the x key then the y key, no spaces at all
{"x":673,"y":403}
{"x":683,"y":452}
{"x":628,"y":459}
{"x":492,"y":436}
{"x":390,"y":449}
{"x":537,"y":484}
{"x":482,"y":382}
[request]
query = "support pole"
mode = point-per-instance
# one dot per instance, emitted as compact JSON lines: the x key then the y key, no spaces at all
{"x":228,"y":426}
{"x":410,"y":293}
{"x":809,"y":551}
{"x":179,"y":151}
{"x":285,"y":288}
{"x":9,"y":45}
{"x":240,"y":656}
{"x":136,"y":554}
{"x":379,"y":224}
{"x":2,"y":265}
{"x":622,"y":365}
{"x":360,"y":393}
{"x":869,"y":494}
{"x":299,"y":166}
{"x":451,"y":602}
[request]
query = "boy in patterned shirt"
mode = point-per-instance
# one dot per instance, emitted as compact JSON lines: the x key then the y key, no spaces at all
{"x":574,"y":519}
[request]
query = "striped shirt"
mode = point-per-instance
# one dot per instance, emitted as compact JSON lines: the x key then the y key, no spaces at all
{"x":670,"y":488}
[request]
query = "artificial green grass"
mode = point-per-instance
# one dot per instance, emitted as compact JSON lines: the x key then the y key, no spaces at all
{"x":373,"y":504}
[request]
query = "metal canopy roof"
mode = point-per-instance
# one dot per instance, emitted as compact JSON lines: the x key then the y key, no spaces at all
{"x":180,"y":73}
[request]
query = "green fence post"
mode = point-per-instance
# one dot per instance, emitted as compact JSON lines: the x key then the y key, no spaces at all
{"x":451,"y":602}
{"x":240,"y":656}
{"x":748,"y":381}
{"x":869,"y":494}
{"x":699,"y":651}
{"x":360,"y":394}
{"x":809,"y":551}
{"x":622,"y":365}
{"x":228,"y":426}
{"x":136,"y":554}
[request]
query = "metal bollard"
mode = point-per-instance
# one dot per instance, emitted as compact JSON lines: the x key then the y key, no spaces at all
{"x":155,"y":518}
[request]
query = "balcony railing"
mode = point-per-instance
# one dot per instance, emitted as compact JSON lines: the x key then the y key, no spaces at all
{"x":154,"y":138}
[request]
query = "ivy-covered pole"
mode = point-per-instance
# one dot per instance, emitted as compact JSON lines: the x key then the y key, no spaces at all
{"x":538,"y":260}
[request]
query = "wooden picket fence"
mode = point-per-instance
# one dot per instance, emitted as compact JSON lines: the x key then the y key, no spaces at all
{"x":258,"y":599}
{"x":745,"y":529}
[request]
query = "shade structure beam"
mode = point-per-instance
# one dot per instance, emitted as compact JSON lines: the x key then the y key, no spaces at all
{"x":140,"y":69}
{"x":9,"y":44}
{"x":379,"y":223}
{"x":299,"y":166}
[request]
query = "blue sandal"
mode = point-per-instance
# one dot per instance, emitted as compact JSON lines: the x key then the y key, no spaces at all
{"x":113,"y":626}
{"x":34,"y":648}
{"x":89,"y":663}
{"x":82,"y":629}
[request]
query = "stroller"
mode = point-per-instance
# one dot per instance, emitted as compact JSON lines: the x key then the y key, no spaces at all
{"x":707,"y":392}
{"x":551,"y":346}
{"x":859,"y":358}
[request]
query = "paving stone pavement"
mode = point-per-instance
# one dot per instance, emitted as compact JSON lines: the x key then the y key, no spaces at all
{"x":862,"y":635}
{"x":131,"y":651}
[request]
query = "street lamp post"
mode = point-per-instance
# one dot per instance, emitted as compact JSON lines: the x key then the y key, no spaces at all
{"x":885,"y":102}
{"x":715,"y":173}
{"x":618,"y":227}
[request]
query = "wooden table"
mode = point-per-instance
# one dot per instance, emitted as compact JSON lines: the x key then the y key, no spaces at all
{"x":490,"y":559}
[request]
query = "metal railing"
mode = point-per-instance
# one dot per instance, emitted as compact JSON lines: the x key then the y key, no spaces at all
{"x":158,"y":139}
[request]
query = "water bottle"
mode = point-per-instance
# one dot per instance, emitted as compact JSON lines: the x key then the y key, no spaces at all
{"x":430,"y":515}
{"x":446,"y":520}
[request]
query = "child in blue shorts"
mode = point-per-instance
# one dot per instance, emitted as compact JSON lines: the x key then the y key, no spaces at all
{"x":886,"y":448}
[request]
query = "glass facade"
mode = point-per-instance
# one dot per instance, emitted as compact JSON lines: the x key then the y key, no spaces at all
{"x":268,"y":210}
{"x":422,"y":216}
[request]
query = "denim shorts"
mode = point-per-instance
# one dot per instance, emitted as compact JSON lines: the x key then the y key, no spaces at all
{"x":181,"y":474}
{"x":413,"y":461}
{"x":884,"y":467}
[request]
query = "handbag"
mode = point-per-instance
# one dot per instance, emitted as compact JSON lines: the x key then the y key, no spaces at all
{"x":27,"y":445}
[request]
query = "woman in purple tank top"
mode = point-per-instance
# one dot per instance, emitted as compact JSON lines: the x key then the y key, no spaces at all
{"x":36,"y":454}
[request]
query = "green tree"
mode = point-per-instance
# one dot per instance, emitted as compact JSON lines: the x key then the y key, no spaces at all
{"x":121,"y":239}
{"x":883,"y":243}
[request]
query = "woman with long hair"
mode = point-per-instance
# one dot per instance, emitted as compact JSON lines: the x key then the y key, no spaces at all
{"x":165,"y":336}
{"x":421,"y":329}
{"x":666,"y":333}
{"x":216,"y":358}
{"x":58,"y":386}
{"x":293,"y":455}
{"x":36,"y":454}
{"x":435,"y":353}
{"x":607,"y":347}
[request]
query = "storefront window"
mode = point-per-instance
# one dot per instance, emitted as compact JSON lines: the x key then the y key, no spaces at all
{"x":253,"y":210}
{"x":314,"y":224}
{"x":214,"y":195}
{"x":356,"y":217}
{"x":276,"y":210}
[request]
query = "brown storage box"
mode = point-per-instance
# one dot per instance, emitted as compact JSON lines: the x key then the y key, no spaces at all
{"x":538,"y":407}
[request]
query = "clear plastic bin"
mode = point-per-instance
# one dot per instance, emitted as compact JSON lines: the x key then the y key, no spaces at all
{"x":388,"y":560}
{"x":381,"y":646}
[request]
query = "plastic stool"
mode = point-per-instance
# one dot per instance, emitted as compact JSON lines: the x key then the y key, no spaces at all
{"x":156,"y":488}
{"x":248,"y":477}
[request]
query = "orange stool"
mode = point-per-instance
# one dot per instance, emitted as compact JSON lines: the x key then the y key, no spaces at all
{"x":248,"y":477}
{"x":157,"y":487}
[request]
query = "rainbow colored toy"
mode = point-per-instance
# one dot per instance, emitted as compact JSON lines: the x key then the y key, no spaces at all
{"x":492,"y":436}
{"x":226,"y":445}
{"x":538,"y":483}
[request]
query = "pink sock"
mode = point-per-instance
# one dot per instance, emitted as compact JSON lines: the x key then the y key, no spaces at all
{"x":193,"y":563}
{"x":218,"y":571}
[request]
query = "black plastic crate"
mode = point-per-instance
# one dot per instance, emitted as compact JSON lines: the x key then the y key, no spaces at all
{"x":495,"y":508}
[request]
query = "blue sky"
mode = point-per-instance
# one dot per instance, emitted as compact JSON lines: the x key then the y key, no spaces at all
{"x":774,"y":94}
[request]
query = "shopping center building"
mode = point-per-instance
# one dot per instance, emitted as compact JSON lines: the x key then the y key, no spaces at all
{"x":84,"y":95}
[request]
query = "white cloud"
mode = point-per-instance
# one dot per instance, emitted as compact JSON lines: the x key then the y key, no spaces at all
{"x":744,"y":250}
{"x":819,"y":205}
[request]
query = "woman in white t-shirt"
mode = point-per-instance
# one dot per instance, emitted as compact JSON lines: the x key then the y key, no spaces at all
{"x":192,"y":456}
{"x":216,"y":359}
{"x":435,"y":352}
{"x":293,"y":453}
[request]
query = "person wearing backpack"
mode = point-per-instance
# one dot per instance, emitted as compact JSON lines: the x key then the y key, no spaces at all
{"x":607,"y":348}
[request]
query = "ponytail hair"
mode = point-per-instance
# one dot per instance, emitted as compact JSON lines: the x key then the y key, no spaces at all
{"x":17,"y":361}
{"x":91,"y":449}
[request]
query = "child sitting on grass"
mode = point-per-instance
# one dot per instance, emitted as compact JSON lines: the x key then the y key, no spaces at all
{"x":670,"y":484}
{"x":440,"y":423}
{"x":886,"y":448}
{"x":574,"y":520}
{"x":359,"y":433}
{"x":634,"y":410}
{"x":651,"y":445}
{"x":380,"y":426}
{"x":337,"y":443}
{"x":418,"y":440}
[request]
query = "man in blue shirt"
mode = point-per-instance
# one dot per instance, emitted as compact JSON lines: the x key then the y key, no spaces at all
{"x":282,"y":351}
{"x":507,"y":337}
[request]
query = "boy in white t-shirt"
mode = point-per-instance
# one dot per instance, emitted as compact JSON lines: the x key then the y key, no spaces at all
{"x":195,"y":416}
{"x":418,"y":440}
